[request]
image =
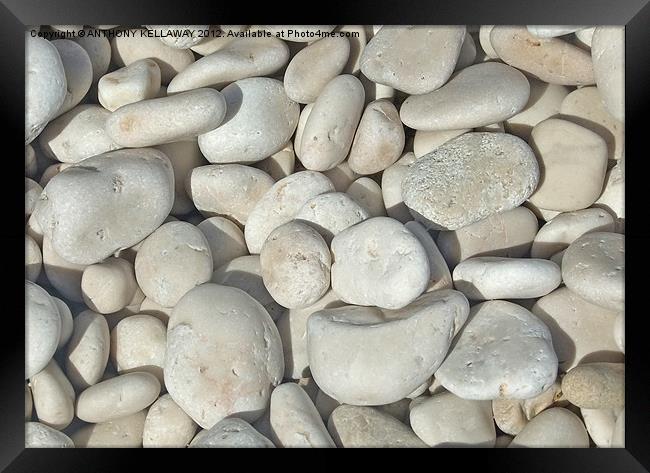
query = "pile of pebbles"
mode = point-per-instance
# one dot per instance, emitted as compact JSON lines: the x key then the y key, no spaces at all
{"x":392,"y":236}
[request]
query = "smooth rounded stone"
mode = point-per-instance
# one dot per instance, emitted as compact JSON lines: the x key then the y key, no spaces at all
{"x":225,"y":239}
{"x":440,"y":277}
{"x":67,"y":323}
{"x":484,"y":41}
{"x":555,"y":427}
{"x":612,"y":198}
{"x":179,"y":36}
{"x":493,"y":277}
{"x":33,"y":259}
{"x":64,"y":276}
{"x":595,"y":385}
{"x":109,"y":286}
{"x":478,"y":95}
{"x":551,"y":60}
{"x":259,"y":121}
{"x":295,"y":262}
{"x":214,"y":43}
{"x":245,"y":273}
{"x":138,"y":344}
{"x":357,"y":45}
{"x":224,"y":355}
{"x":329,"y":130}
{"x":584,"y":106}
{"x":367,"y":427}
{"x":379,"y":139}
{"x":314,"y":67}
{"x":117,"y":397}
{"x":600,"y":425}
{"x":98,"y":48}
{"x":292,"y":326}
{"x":504,"y":351}
{"x":507,"y":234}
{"x":45,"y":85}
{"x":39,"y":435}
{"x":296,"y":33}
{"x":106,"y":203}
{"x":130,"y":84}
{"x":391,"y":188}
{"x":470,"y":178}
{"x":544,"y":102}
{"x":618,"y":436}
{"x":426,"y":141}
{"x":32,"y":194}
{"x":367,"y":193}
{"x":42,"y":328}
{"x":279,"y":165}
{"x":281,"y":203}
{"x":77,"y":135}
{"x":88,"y":349}
{"x":509,"y":415}
{"x":608,"y":56}
{"x":585,"y":35}
{"x":331,"y":213}
{"x":54,"y":397}
{"x":341,"y":176}
{"x":552,"y":31}
{"x":28,"y":402}
{"x":370,"y":267}
{"x":78,"y":72}
{"x":581,"y":331}
{"x":130,"y":48}
{"x":229,"y":190}
{"x":593,"y":267}
{"x":564,"y":229}
{"x":446,"y":420}
{"x":167,"y":426}
{"x":619,"y":332}
{"x":239,"y":59}
{"x":125,"y":432}
{"x":467,"y":54}
{"x":168,"y":119}
{"x":231,"y":433}
{"x":172,"y":260}
{"x":295,"y":422}
{"x":413,"y":59}
{"x":300,"y":127}
{"x":366,"y":356}
{"x":572,"y":161}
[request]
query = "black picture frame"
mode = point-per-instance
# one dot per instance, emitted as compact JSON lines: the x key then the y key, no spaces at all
{"x":634,"y":14}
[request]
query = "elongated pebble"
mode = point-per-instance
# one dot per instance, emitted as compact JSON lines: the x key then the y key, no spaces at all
{"x":88,"y":350}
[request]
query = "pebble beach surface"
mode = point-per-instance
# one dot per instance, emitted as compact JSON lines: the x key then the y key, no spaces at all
{"x":324,"y":236}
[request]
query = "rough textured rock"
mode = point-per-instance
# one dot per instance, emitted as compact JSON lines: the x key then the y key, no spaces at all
{"x":596,"y":385}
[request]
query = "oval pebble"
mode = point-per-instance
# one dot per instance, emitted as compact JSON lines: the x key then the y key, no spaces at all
{"x":413,"y":59}
{"x":54,"y":397}
{"x":478,"y":95}
{"x":552,"y":60}
{"x":378,"y":342}
{"x":492,"y":277}
{"x":367,"y":427}
{"x":136,"y":82}
{"x":78,"y":72}
{"x":213,"y":322}
{"x":125,"y":432}
{"x":42,"y":328}
{"x":295,"y":263}
{"x":259,"y":121}
{"x":39,"y":435}
{"x":595,"y":385}
{"x":167,"y":426}
{"x":171,"y":261}
{"x":239,"y":59}
{"x":88,"y":349}
{"x":231,"y":433}
{"x":600,"y":425}
{"x":509,"y":336}
{"x":470,"y":178}
{"x":556,"y":427}
{"x":164,"y":120}
{"x":593,"y":267}
{"x":229,"y":190}
{"x":281,"y":203}
{"x":608,"y":56}
{"x":109,"y":286}
{"x":371,"y":270}
{"x":106,"y":203}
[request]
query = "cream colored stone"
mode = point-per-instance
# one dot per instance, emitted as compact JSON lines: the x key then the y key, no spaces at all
{"x":54,"y":397}
{"x":585,"y":35}
{"x":88,"y":349}
{"x":426,"y":141}
{"x":596,"y":385}
{"x":552,"y":31}
{"x":608,"y":56}
{"x":167,"y":426}
{"x":447,"y":420}
{"x":78,"y":72}
{"x":136,"y":82}
{"x":367,"y":193}
{"x":125,"y":432}
{"x":600,"y":425}
{"x":556,"y":427}
{"x":138,"y":344}
{"x":581,"y":332}
{"x":42,"y":328}
{"x":341,"y":176}
{"x":109,"y":286}
{"x":551,"y":60}
{"x":302,"y":121}
{"x":229,"y":190}
{"x":509,"y":415}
